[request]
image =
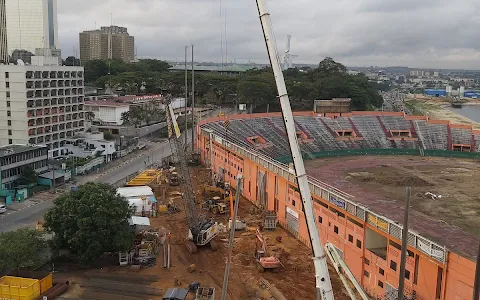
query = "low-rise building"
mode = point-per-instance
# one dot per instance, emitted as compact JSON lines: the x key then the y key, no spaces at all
{"x":141,"y":101}
{"x":106,"y":112}
{"x":90,"y":145}
{"x":15,"y":158}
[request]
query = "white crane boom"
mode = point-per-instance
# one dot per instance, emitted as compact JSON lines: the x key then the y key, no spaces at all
{"x":323,"y":283}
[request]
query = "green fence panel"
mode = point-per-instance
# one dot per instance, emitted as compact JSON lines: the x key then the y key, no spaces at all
{"x":356,"y":152}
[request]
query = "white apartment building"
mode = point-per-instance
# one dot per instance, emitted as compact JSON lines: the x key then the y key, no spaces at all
{"x":29,"y":24}
{"x":106,"y":112}
{"x":41,"y":104}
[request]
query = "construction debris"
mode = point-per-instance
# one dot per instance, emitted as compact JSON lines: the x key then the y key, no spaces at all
{"x":191,"y":268}
{"x":270,"y":220}
{"x":432,"y":196}
{"x":205,"y":294}
{"x":273,"y":290}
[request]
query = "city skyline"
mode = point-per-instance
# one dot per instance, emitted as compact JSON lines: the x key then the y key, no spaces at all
{"x":369,"y":32}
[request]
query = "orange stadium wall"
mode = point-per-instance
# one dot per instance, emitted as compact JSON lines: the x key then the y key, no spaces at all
{"x":428,"y":278}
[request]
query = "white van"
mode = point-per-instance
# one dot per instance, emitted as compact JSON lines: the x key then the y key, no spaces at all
{"x":3,"y":208}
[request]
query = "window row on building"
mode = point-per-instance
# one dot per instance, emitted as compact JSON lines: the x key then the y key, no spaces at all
{"x":24,"y":156}
{"x":52,"y":74}
{"x":52,"y":93}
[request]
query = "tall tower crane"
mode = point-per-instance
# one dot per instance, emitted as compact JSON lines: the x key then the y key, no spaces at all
{"x":201,"y":231}
{"x":324,"y":285}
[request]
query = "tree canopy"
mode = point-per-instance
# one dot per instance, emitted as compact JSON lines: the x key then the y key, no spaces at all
{"x":24,"y":248}
{"x":90,"y":221}
{"x":256,"y":87}
{"x":28,"y":176}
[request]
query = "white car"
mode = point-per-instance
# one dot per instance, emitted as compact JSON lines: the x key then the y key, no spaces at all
{"x":3,"y":208}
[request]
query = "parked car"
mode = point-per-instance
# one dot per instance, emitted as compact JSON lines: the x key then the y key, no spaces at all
{"x":3,"y":208}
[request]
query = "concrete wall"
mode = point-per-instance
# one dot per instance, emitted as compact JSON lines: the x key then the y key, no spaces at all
{"x":132,"y":131}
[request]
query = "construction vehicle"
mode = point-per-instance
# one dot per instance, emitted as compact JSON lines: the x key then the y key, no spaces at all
{"x":264,"y":261}
{"x":215,"y":205}
{"x":209,"y":192}
{"x":173,"y":179}
{"x":201,"y":231}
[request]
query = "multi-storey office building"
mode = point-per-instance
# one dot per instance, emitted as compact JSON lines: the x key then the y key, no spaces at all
{"x":27,"y":25}
{"x":41,"y":104}
{"x":111,"y":42}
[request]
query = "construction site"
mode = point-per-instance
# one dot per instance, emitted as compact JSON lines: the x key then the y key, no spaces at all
{"x":290,"y":278}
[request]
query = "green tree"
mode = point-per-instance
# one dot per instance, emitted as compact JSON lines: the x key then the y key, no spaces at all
{"x":257,"y":90}
{"x":24,"y":248}
{"x":107,"y":135}
{"x":28,"y":176}
{"x":91,"y":221}
{"x":125,"y":117}
{"x":95,"y":69}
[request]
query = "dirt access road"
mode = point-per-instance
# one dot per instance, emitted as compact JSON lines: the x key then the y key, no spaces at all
{"x":296,"y":280}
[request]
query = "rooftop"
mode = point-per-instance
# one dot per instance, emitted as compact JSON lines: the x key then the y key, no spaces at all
{"x":137,"y":98}
{"x":106,"y":103}
{"x":14,"y":149}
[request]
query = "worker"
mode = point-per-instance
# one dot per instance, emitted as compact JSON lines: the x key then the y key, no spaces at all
{"x":169,"y":236}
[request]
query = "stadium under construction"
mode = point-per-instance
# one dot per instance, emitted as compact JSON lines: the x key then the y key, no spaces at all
{"x":359,"y":201}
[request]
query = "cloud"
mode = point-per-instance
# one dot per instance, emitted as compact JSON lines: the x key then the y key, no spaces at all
{"x":415,"y":33}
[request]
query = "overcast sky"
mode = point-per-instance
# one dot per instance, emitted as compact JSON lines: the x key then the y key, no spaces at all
{"x":414,"y":33}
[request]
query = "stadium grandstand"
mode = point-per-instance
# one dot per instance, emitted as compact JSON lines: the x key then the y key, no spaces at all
{"x":365,"y":228}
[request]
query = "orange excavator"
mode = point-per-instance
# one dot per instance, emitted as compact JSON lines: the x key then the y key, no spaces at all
{"x":265,"y":262}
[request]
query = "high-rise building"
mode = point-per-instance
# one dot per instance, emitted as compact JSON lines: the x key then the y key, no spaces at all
{"x":112,"y":42}
{"x":3,"y":33}
{"x":27,"y":25}
{"x":41,"y":104}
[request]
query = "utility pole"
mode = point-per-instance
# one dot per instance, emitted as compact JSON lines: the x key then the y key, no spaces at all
{"x":193,"y":104}
{"x":186,"y":97}
{"x":232,"y":236}
{"x":401,"y":284}
{"x":476,"y":285}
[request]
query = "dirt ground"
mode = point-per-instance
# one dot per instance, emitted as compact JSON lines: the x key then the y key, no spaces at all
{"x":296,"y":280}
{"x":453,"y":181}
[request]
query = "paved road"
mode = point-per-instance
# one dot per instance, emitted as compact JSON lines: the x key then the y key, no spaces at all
{"x":30,"y":215}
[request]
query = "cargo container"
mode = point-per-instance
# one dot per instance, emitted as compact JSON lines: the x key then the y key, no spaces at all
{"x":45,"y":278}
{"x":18,"y":288}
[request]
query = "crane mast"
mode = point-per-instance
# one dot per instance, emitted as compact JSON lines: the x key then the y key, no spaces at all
{"x":323,"y":283}
{"x":180,"y":155}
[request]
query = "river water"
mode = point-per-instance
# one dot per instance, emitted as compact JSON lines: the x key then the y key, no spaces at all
{"x":470,"y":111}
